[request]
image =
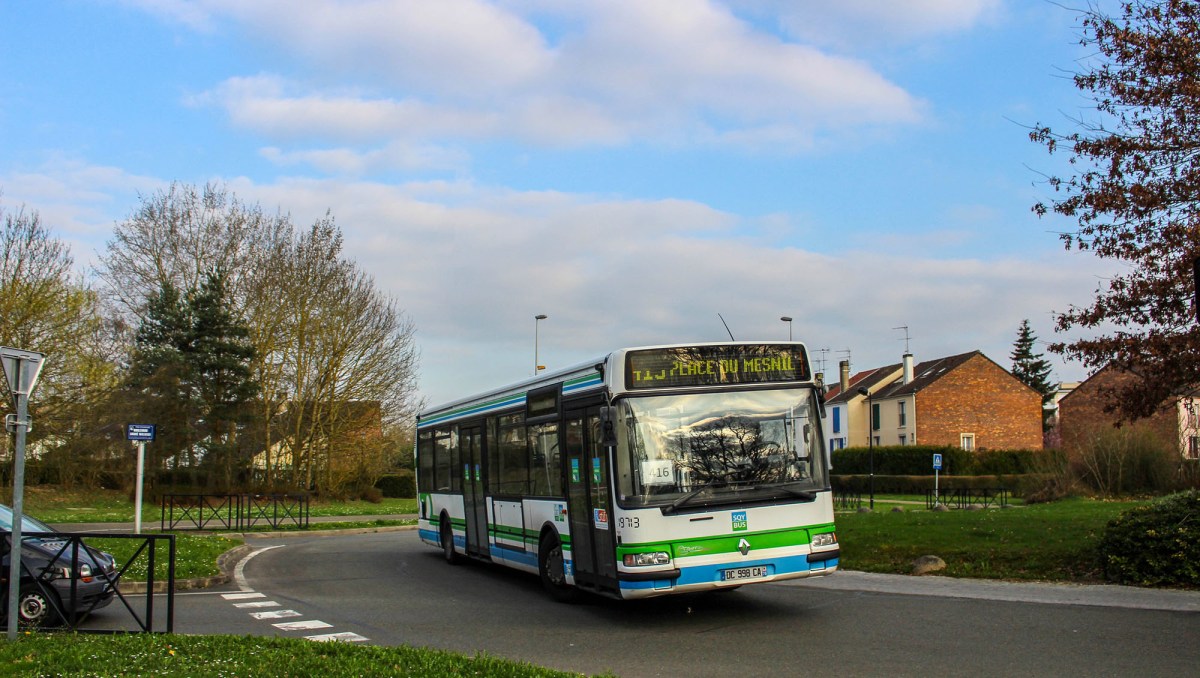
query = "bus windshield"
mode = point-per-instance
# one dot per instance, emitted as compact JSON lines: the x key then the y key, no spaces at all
{"x":681,"y":451}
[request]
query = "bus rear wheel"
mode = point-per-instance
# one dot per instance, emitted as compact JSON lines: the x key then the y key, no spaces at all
{"x":552,"y":568}
{"x":446,"y":536}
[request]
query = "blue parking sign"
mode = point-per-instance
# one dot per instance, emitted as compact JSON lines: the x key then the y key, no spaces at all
{"x":139,"y":432}
{"x":937,"y":462}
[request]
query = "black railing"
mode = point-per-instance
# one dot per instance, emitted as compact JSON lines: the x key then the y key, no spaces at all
{"x":233,"y":511}
{"x":275,"y":510}
{"x":847,"y":501}
{"x":962,"y":498}
{"x":62,"y":593}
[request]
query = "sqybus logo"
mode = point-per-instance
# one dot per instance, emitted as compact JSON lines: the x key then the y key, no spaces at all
{"x":739,"y":521}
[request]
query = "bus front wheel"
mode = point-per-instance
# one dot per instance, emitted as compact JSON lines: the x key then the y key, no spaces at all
{"x":552,"y":568}
{"x":446,"y":536}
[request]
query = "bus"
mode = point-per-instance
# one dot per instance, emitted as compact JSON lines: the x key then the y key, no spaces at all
{"x":649,"y":471}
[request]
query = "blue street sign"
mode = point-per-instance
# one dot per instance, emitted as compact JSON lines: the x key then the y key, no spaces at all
{"x":937,"y":462}
{"x":139,"y":432}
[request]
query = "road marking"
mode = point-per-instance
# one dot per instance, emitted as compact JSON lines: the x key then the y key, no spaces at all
{"x":275,"y":614}
{"x":309,"y":625}
{"x":345,"y":637}
{"x":257,"y":603}
{"x":242,"y":596}
{"x":239,"y":572}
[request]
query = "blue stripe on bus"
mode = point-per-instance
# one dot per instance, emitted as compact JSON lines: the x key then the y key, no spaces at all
{"x":479,"y":409}
{"x":709,"y":574}
{"x":568,"y":388}
{"x":513,"y":555}
{"x":585,"y":383}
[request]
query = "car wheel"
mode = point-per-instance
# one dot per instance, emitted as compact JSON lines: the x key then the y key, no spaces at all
{"x":36,"y":608}
{"x":552,"y":568}
{"x":446,"y":536}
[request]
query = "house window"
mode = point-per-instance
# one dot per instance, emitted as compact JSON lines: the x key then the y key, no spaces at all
{"x":968,"y":441}
{"x":876,"y":441}
{"x":902,"y":437}
{"x":1194,"y":447}
{"x":874,"y":416}
{"x":903,"y":415}
{"x":837,"y":420}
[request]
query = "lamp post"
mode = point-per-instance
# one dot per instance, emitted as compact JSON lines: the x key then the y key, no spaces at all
{"x":870,"y":444}
{"x":788,"y":319}
{"x":537,"y":319}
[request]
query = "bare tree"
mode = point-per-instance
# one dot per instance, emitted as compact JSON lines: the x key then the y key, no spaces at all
{"x":46,"y":306}
{"x":329,"y":346}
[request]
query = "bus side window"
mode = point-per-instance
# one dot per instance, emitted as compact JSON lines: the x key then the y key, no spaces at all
{"x":425,"y":468}
{"x":441,"y":460}
{"x":514,"y":460}
{"x":545,"y":461}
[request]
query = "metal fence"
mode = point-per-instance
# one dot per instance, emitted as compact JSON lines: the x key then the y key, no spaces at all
{"x":963,"y":498}
{"x":57,"y":591}
{"x":233,"y":511}
{"x":847,"y":501}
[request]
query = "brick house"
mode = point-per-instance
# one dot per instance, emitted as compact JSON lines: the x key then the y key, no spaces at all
{"x":1081,"y":415}
{"x":964,"y":400}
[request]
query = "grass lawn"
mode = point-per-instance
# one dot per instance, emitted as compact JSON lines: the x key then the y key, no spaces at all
{"x":203,"y":656}
{"x":1048,"y":542}
{"x":56,"y":505}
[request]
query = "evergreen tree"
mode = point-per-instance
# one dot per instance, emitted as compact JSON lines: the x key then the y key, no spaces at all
{"x":1028,"y":366}
{"x":161,"y":379}
{"x":191,"y":376}
{"x":220,"y":357}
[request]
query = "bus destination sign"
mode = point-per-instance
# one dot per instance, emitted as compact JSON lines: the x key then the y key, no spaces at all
{"x":715,"y":365}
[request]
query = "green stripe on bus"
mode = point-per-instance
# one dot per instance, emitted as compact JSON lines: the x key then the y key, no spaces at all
{"x":700,"y":546}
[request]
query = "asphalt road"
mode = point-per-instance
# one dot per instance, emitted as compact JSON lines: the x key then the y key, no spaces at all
{"x":389,"y":589}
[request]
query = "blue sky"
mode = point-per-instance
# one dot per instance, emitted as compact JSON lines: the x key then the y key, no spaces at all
{"x":630,"y":168}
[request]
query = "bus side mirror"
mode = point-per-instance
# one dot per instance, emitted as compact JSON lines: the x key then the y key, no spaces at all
{"x":608,"y":431}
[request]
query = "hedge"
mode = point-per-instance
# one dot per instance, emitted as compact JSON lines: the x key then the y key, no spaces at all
{"x":399,"y":485}
{"x":1019,"y":485}
{"x":917,"y":460}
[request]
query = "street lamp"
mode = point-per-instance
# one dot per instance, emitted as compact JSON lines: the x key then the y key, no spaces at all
{"x":788,"y":319}
{"x":870,"y":443}
{"x":537,"y":367}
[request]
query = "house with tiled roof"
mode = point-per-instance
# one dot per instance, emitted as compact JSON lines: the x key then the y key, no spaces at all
{"x":964,"y":400}
{"x":1084,"y":415}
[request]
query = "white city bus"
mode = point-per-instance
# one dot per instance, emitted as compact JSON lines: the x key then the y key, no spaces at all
{"x":650,"y":471}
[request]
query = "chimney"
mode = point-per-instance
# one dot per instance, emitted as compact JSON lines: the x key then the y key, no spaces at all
{"x":908,"y":368}
{"x":844,"y":375}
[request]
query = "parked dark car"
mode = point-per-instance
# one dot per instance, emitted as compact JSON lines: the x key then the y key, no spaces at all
{"x":59,"y":575}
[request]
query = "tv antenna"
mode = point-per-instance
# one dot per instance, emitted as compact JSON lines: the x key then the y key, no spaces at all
{"x":823,"y":352}
{"x":905,"y":328}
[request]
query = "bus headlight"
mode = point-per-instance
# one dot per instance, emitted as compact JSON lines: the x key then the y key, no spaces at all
{"x":645,"y":559}
{"x":824,"y":539}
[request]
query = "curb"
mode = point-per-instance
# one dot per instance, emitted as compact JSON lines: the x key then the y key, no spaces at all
{"x":228,"y":560}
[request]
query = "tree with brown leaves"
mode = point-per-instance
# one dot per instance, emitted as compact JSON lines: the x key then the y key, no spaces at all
{"x":1135,"y":195}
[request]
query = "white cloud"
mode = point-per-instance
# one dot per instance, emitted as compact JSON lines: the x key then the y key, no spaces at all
{"x":472,"y":265}
{"x":847,"y":24}
{"x":622,"y":70}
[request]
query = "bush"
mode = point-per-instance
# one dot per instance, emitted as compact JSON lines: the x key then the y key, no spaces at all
{"x":1121,"y":461}
{"x":399,"y":485}
{"x":1155,"y":545}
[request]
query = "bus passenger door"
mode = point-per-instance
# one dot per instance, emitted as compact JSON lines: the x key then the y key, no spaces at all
{"x":470,"y":441}
{"x":588,"y":501}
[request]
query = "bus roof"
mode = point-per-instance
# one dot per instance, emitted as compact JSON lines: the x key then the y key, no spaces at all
{"x":583,"y":377}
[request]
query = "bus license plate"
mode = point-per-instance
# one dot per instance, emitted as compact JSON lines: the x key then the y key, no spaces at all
{"x":737,"y":573}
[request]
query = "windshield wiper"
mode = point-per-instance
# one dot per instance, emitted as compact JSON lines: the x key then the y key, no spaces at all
{"x":806,"y":495}
{"x":678,"y":503}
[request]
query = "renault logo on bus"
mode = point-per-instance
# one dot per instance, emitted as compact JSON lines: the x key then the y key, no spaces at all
{"x":744,"y":546}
